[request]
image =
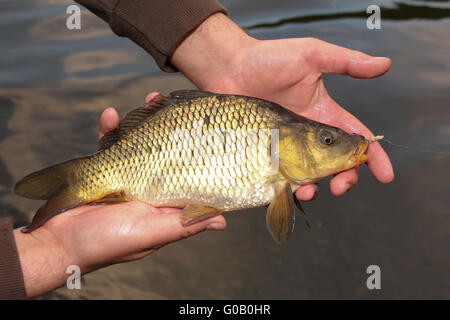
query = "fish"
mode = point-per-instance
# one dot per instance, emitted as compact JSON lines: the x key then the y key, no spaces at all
{"x":204,"y":152}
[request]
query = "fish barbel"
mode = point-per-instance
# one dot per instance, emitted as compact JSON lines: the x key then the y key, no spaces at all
{"x":205,"y":152}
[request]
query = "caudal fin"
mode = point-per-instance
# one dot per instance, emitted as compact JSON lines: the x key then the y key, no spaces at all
{"x":53,"y":184}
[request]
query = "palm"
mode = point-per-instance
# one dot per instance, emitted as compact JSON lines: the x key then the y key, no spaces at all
{"x":289,"y":72}
{"x":114,"y":233}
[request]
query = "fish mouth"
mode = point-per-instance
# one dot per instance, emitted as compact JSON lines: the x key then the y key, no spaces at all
{"x":359,"y":155}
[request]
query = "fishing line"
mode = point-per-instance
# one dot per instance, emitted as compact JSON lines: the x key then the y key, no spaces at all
{"x":375,"y":138}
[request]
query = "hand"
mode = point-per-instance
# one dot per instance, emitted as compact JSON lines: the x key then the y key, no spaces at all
{"x":96,"y":236}
{"x":220,"y":57}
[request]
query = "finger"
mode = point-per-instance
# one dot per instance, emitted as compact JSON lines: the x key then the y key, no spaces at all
{"x":150,"y":96}
{"x":109,"y":120}
{"x":163,"y":225}
{"x":330,"y":58}
{"x":343,"y":182}
{"x":307,"y":192}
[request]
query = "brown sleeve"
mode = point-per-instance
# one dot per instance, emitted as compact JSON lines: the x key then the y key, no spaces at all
{"x":12,"y":285}
{"x":158,"y":26}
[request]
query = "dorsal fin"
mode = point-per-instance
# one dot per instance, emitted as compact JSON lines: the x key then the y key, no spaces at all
{"x":132,"y":119}
{"x":189,"y":94}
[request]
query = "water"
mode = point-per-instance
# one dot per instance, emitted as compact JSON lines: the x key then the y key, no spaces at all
{"x":55,"y":83}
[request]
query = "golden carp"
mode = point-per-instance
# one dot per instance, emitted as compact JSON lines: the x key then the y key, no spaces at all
{"x":208,"y":153}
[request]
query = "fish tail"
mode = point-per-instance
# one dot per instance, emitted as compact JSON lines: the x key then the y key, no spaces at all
{"x":56,"y":184}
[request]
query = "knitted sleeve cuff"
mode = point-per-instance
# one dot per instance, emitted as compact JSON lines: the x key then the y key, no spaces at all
{"x":12,"y":284}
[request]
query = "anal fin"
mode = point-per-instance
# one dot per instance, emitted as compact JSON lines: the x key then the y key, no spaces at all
{"x":193,"y":213}
{"x":112,"y":198}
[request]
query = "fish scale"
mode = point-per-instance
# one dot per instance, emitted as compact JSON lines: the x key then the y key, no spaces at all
{"x":168,"y":178}
{"x":172,"y":178}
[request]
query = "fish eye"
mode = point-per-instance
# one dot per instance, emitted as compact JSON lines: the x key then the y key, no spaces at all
{"x":326,"y":137}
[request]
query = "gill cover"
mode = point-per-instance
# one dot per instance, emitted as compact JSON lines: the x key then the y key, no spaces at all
{"x":293,"y":160}
{"x":309,"y":151}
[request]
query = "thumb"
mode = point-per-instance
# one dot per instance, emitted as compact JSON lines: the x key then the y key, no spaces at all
{"x":151,"y":96}
{"x":330,"y":58}
{"x":109,"y":120}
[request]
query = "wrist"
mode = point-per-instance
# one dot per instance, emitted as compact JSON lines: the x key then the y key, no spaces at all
{"x":207,"y":53}
{"x":43,"y":261}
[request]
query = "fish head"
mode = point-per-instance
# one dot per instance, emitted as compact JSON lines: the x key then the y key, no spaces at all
{"x":310,"y":151}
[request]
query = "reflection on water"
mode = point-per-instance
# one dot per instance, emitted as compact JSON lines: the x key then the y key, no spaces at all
{"x":400,"y":11}
{"x":97,"y":59}
{"x":55,"y":83}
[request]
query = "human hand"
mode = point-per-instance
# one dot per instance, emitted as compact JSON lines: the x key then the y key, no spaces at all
{"x":94,"y":236}
{"x":218,"y":56}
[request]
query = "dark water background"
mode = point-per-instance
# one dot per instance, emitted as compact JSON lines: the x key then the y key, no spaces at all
{"x":54,"y":83}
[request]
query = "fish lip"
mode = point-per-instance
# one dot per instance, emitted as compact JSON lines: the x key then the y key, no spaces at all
{"x":359,"y":155}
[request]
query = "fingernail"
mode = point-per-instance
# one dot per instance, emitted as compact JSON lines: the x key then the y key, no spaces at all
{"x":215,"y":226}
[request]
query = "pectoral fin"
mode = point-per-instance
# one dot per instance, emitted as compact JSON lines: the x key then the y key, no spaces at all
{"x":193,"y":213}
{"x":280,"y":218}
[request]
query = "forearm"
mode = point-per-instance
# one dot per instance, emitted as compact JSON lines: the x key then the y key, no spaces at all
{"x":43,"y":260}
{"x":158,"y":26}
{"x":207,"y":52}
